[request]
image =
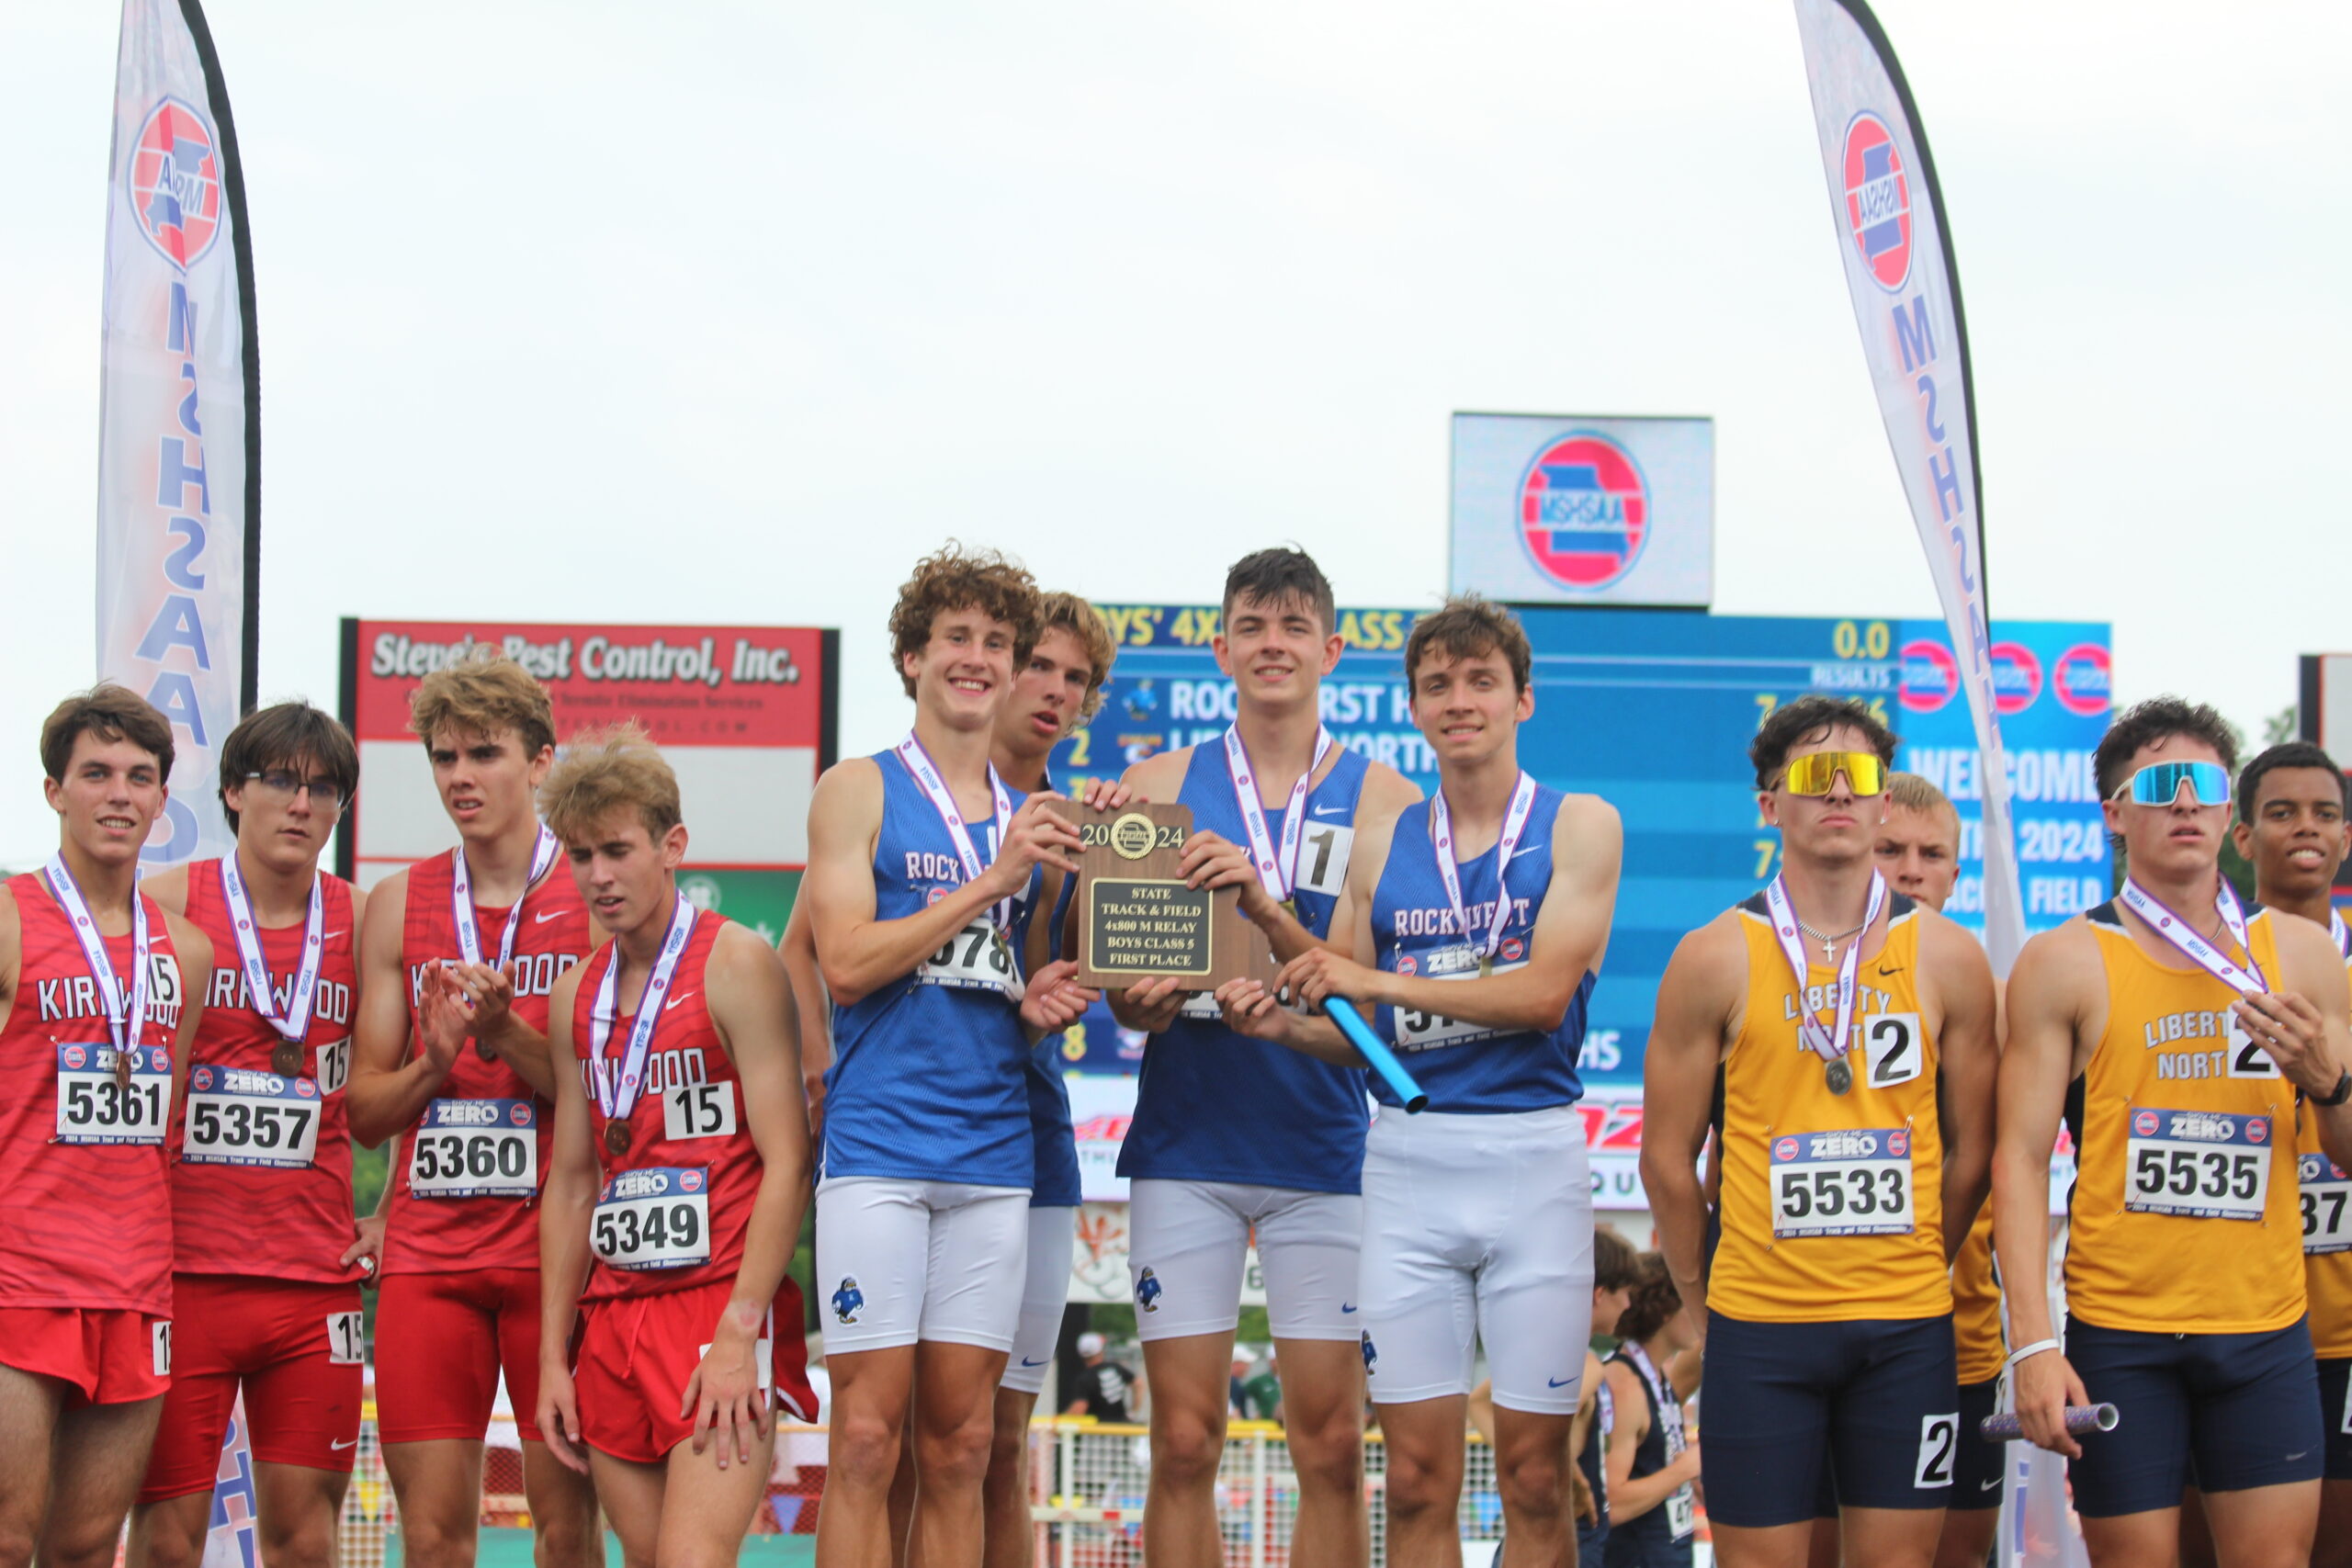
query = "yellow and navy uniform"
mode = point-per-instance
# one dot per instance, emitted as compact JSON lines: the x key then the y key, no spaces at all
{"x":2184,"y":1211}
{"x":2184,"y":1268}
{"x":2327,"y":1281}
{"x":1789,"y":1145}
{"x":1976,"y":1304}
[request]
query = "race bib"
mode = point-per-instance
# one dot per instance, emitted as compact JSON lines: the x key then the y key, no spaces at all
{"x":346,"y":1338}
{"x":238,"y":1116}
{"x":92,"y":1108}
{"x":2201,"y":1165}
{"x":1681,"y":1512}
{"x":2326,"y":1193}
{"x":2247,"y":1059}
{"x":332,"y":1064}
{"x":657,"y":1218}
{"x":973,"y":959}
{"x":1891,"y":1048}
{"x":476,"y":1148}
{"x":1419,"y":1031}
{"x":1323,"y":852}
{"x":698,"y":1111}
{"x":1848,"y":1183}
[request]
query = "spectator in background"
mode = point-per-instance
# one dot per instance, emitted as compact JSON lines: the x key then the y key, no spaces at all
{"x":1264,"y":1392}
{"x":1103,"y":1388}
{"x":1237,"y":1389}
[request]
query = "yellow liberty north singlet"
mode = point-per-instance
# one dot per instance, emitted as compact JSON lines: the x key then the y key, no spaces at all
{"x":1976,"y":1304}
{"x":1832,"y":1203}
{"x":2184,"y":1211}
{"x":2327,"y":1242}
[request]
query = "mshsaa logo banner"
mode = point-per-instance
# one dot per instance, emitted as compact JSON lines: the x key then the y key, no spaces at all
{"x":1564,"y":510}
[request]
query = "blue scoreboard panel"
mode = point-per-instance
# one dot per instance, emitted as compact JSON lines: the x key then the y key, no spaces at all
{"x":1654,"y":710}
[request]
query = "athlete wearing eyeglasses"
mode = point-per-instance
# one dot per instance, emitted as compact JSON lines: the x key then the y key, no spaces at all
{"x":2178,"y":1031}
{"x":1851,"y":1033}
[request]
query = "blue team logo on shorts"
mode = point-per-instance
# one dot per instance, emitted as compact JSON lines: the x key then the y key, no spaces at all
{"x":848,"y":1299}
{"x":1147,"y":1290}
{"x":1371,"y":1355}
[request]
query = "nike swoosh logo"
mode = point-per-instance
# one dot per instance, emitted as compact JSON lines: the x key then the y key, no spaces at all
{"x":544,"y":916}
{"x":329,"y":936}
{"x":1326,"y":811}
{"x":2298,"y":1454}
{"x":1027,"y":1362}
{"x":1884,"y":970}
{"x":1347,"y":1306}
{"x":1527,"y":850}
{"x":673,"y":1001}
{"x":1988,"y":1485}
{"x":1563,"y":1383}
{"x":352,"y":1444}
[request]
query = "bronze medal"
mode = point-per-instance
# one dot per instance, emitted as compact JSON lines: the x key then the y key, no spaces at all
{"x":122,"y":1068}
{"x":483,"y":1048}
{"x":285,"y":1061}
{"x":616,"y":1137}
{"x":1838,"y":1075}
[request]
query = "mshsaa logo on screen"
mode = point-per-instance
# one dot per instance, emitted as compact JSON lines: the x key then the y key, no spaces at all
{"x":1878,"y":200}
{"x":1584,"y":510}
{"x":174,"y":182}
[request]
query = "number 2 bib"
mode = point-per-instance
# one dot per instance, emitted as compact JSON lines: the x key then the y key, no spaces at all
{"x":476,"y":1148}
{"x":236,"y":1116}
{"x":93,"y":1107}
{"x":655,"y":1218}
{"x":1847,"y":1183}
{"x":2200,"y":1165}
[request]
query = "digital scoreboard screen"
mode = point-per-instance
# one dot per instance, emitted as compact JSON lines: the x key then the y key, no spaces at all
{"x":1653,"y":710}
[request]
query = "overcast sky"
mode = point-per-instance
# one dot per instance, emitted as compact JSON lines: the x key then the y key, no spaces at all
{"x":727,"y":312}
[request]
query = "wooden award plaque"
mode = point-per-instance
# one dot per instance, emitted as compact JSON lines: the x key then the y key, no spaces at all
{"x":1137,"y":920}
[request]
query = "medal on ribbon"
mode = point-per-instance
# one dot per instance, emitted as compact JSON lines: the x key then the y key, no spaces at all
{"x":1522,"y":801}
{"x":461,"y":907}
{"x":618,"y":1091}
{"x":294,"y":1025}
{"x":2190,"y":943}
{"x":1277,"y":864}
{"x":1830,"y":1045}
{"x":123,"y":1032}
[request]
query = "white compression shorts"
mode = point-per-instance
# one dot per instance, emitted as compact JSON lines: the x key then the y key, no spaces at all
{"x":899,"y":1261}
{"x":1053,"y":1238}
{"x":1477,"y":1229}
{"x":1189,"y":1240}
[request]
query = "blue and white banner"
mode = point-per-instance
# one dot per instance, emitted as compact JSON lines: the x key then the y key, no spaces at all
{"x":179,"y":445}
{"x":1898,"y":260}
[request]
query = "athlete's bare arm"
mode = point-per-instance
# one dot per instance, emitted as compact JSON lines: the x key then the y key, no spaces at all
{"x":388,"y":1090}
{"x":490,"y":995}
{"x":859,"y":954}
{"x":567,"y":1205}
{"x":168,"y":889}
{"x":1701,"y":1002}
{"x":367,"y":1230}
{"x":1954,"y":970}
{"x":2057,"y":1010}
{"x":1151,"y":1006}
{"x":813,"y":1008}
{"x":2302,"y":1025}
{"x":1571,"y":931}
{"x":750,"y":1005}
{"x":1630,"y":1496}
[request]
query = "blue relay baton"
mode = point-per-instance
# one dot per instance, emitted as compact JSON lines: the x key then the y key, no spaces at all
{"x":2081,"y":1419}
{"x":1384,"y":1061}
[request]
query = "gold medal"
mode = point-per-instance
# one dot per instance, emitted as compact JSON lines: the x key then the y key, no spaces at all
{"x":1838,"y":1075}
{"x":616,"y":1137}
{"x":285,"y":1061}
{"x":1485,"y":965}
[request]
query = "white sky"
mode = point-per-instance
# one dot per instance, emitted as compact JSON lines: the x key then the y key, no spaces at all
{"x":727,"y":311}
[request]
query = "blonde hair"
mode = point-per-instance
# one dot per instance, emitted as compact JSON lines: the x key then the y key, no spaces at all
{"x":483,"y":693}
{"x":1912,"y":793}
{"x":1068,"y":611}
{"x":605,"y":770}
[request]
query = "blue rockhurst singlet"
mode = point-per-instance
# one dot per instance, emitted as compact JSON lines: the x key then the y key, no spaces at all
{"x":1216,"y":1106}
{"x":1468,"y":1067}
{"x":930,"y":1073}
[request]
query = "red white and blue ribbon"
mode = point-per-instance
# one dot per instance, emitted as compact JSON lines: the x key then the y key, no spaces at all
{"x":617,"y":1094}
{"x":1277,"y":865}
{"x":461,"y":901}
{"x":1522,"y":801}
{"x":296,"y":1023}
{"x":68,"y":894}
{"x":1830,"y":1046}
{"x":933,"y":786}
{"x":2175,"y":929}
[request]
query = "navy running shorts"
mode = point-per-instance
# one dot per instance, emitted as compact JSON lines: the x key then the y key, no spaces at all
{"x":2245,"y":1408}
{"x":1876,"y":1400}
